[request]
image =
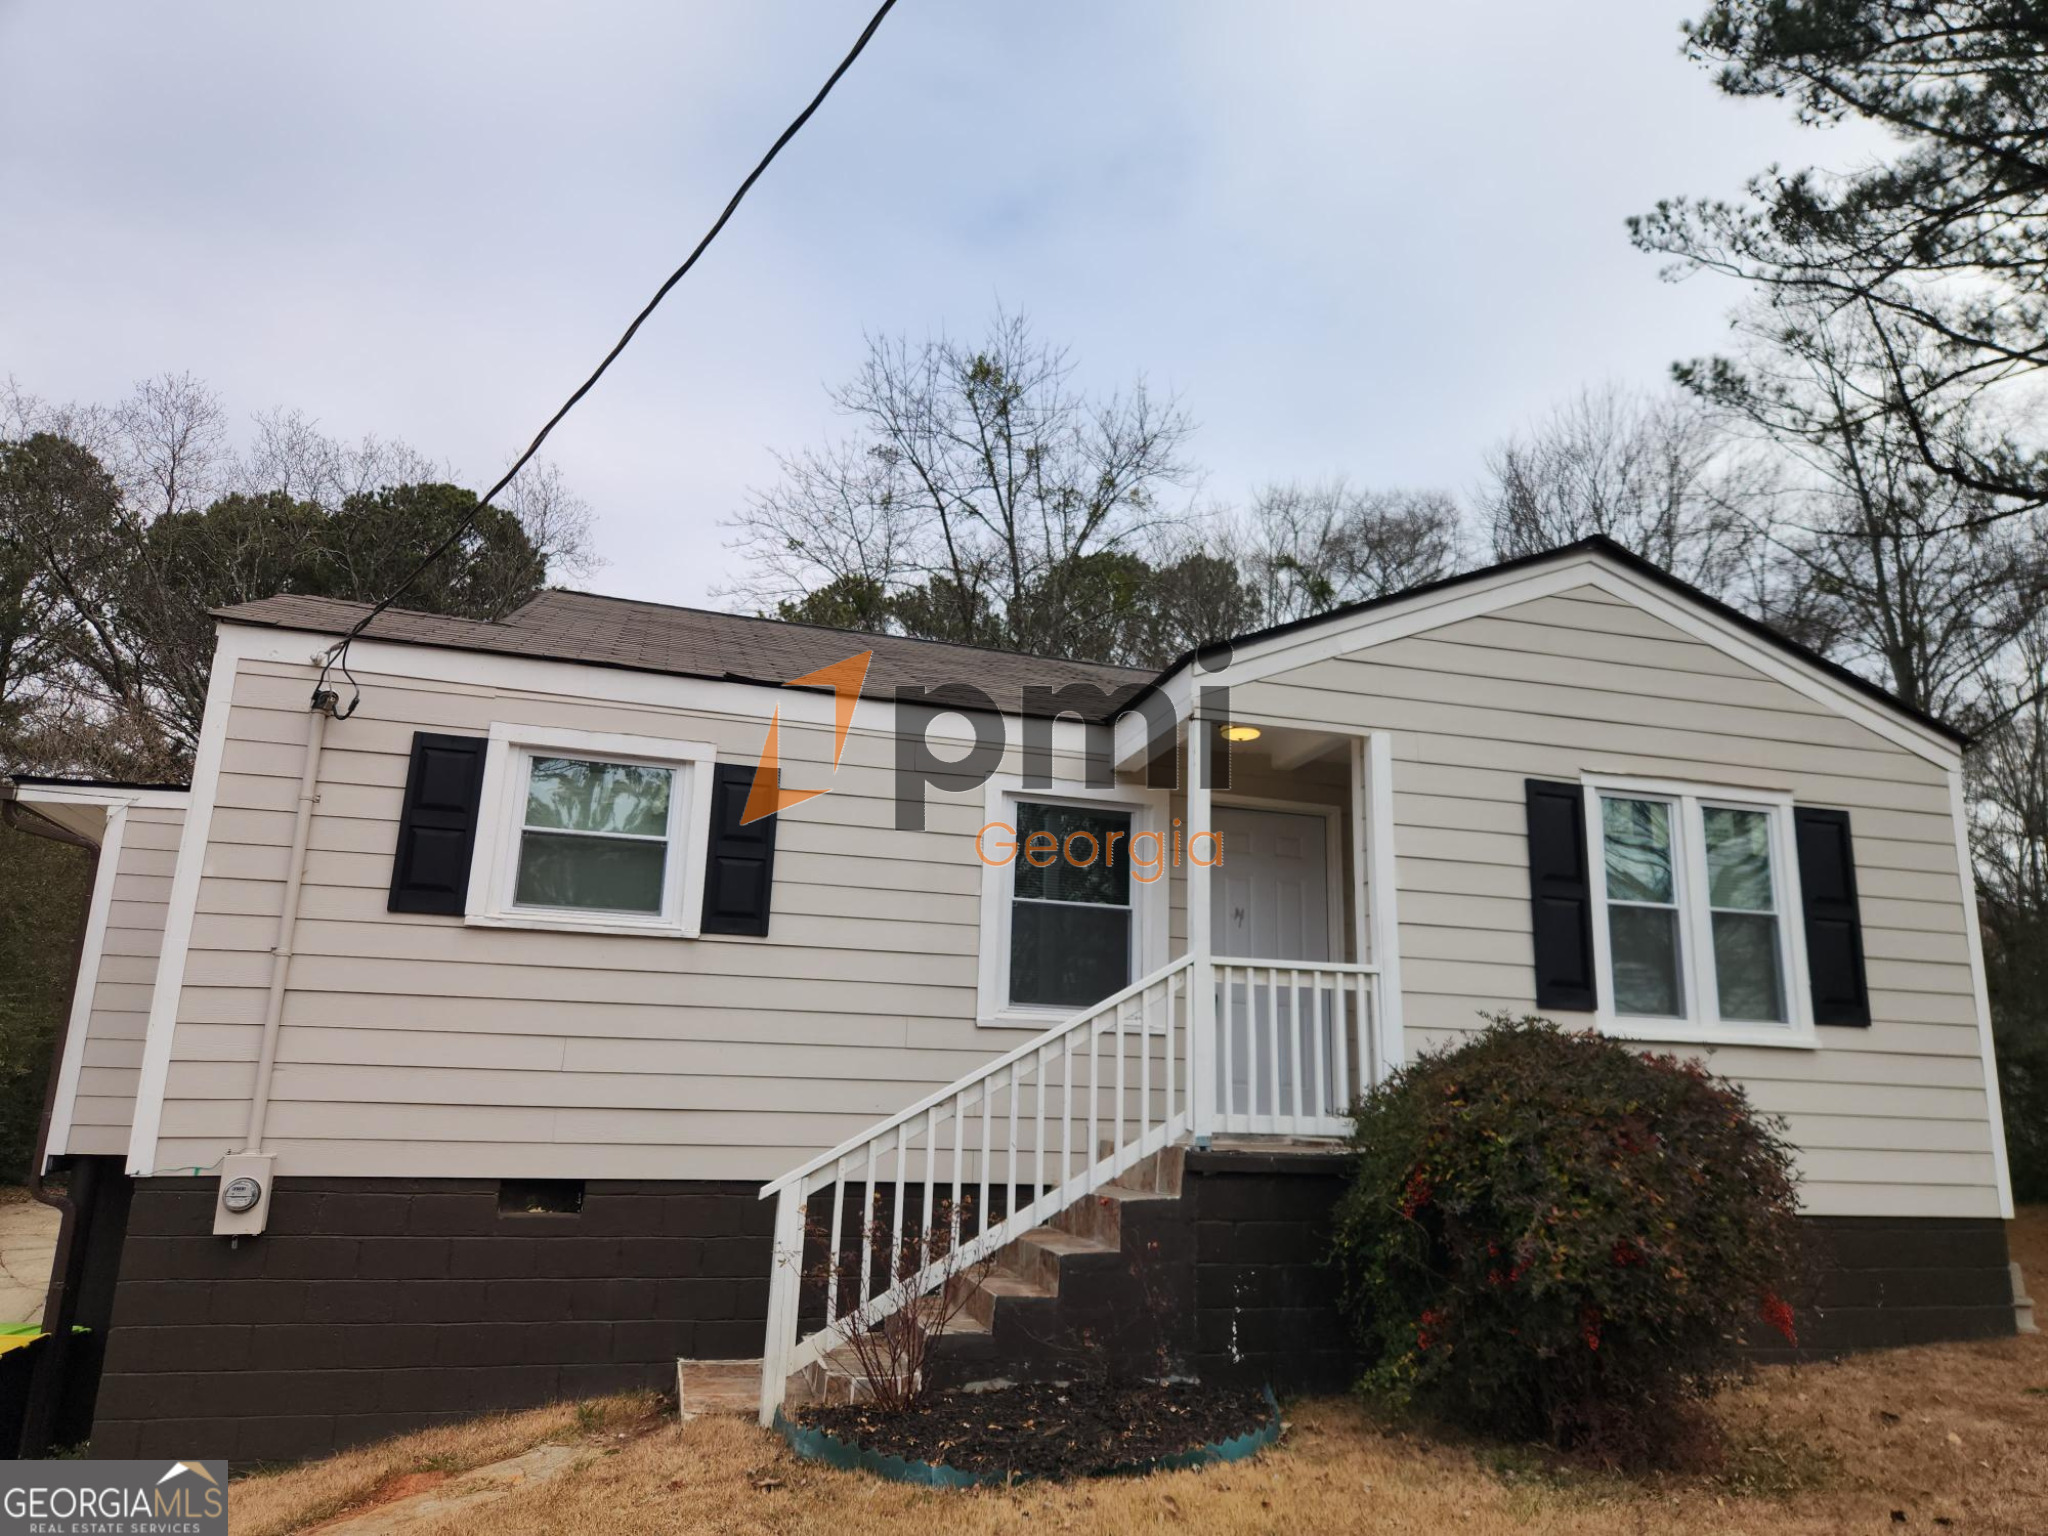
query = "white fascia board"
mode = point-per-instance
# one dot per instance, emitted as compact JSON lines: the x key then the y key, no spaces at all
{"x":105,"y":873}
{"x":1261,"y":659}
{"x":1994,"y":1109}
{"x":170,"y":970}
{"x":586,"y":682}
{"x":105,"y":795}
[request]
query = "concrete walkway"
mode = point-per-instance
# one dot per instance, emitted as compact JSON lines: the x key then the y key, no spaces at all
{"x":28,"y":1247}
{"x":460,"y":1496}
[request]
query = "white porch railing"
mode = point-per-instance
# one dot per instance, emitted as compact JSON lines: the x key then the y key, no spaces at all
{"x":1296,"y":1044}
{"x":1199,"y":1046}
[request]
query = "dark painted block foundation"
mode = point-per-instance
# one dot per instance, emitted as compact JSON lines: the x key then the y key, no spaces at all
{"x":374,"y":1306}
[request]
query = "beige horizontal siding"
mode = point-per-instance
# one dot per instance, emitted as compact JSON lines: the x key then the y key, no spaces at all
{"x":1892,"y":1118}
{"x":103,"y":1103}
{"x":714,"y":1057}
{"x":414,"y":1044}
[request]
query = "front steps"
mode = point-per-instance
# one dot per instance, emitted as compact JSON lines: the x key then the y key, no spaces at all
{"x":1009,"y":1320}
{"x":1205,"y":1263}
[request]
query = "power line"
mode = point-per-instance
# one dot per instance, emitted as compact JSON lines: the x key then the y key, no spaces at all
{"x":337,"y":655}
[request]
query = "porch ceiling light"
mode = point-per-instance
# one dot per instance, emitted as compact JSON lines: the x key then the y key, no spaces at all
{"x":1240,"y":733}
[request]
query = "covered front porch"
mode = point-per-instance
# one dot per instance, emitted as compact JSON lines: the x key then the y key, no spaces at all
{"x":1291,"y":939}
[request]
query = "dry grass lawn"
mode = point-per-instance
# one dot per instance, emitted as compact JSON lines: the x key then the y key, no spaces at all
{"x":1952,"y":1437}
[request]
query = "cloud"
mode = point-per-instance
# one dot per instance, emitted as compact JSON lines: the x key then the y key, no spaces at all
{"x":1362,"y":239}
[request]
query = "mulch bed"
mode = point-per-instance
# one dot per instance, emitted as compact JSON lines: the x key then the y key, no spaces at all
{"x":1078,"y":1429}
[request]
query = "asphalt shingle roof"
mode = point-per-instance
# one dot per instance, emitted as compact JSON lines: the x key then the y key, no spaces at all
{"x":696,"y":642}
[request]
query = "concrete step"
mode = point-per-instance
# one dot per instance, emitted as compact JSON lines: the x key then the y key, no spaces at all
{"x":718,"y":1386}
{"x":1035,"y":1257}
{"x":1159,"y":1174}
{"x":836,"y":1376}
{"x":1100,"y":1217}
{"x":980,"y":1293}
{"x":1088,"y":1235}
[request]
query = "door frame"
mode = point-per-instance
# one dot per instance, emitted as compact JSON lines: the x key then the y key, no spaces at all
{"x":1333,"y":852}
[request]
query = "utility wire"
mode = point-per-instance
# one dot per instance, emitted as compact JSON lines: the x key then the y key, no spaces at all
{"x":337,"y":655}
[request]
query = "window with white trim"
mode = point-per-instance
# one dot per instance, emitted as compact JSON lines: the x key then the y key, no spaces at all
{"x":595,"y":836}
{"x":1062,"y":930}
{"x":1072,"y":928}
{"x":591,"y":831}
{"x":1695,"y":894}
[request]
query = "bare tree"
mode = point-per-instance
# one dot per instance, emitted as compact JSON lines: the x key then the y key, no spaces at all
{"x":977,"y":475}
{"x":1866,"y":538}
{"x":288,"y":453}
{"x":168,"y":448}
{"x":1307,"y":548}
{"x":1652,"y":472}
{"x":833,"y":523}
{"x":2008,"y":779}
{"x":2009,"y":782}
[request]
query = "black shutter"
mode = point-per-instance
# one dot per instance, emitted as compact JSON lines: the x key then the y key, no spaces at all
{"x":1834,"y":925}
{"x":739,"y":871}
{"x":437,"y":828}
{"x":1560,"y":897}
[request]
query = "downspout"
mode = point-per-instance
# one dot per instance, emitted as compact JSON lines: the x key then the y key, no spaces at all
{"x":231,"y":1216}
{"x":60,"y":1306}
{"x":287,"y":929}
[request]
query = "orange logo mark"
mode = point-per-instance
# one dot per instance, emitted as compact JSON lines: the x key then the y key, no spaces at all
{"x":768,"y":796}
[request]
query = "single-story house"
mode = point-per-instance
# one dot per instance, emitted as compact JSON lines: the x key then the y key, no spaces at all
{"x":533,"y":994}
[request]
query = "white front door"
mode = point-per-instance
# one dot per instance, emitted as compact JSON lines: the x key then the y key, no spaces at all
{"x":1271,"y":900}
{"x":1272,"y":892}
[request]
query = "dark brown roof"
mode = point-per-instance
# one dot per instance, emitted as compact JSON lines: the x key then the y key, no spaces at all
{"x":696,"y":642}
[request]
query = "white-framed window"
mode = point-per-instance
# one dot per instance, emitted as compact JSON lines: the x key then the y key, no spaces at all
{"x":1696,"y":927}
{"x":1068,"y":914}
{"x":592,"y":832}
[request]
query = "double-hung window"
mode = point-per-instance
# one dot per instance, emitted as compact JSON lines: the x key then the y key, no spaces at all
{"x":585,"y":830}
{"x":595,"y":836}
{"x":1694,"y":926}
{"x":1071,"y":922}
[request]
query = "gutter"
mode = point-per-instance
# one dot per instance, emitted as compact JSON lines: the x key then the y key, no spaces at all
{"x":60,"y":1305}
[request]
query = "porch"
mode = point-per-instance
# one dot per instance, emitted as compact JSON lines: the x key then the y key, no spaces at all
{"x":1279,"y":1009}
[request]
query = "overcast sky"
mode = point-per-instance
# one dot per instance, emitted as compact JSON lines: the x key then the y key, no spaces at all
{"x":1358,"y":238}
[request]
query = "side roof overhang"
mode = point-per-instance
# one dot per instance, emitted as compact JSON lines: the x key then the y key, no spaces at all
{"x":1595,"y":562}
{"x":80,"y":805}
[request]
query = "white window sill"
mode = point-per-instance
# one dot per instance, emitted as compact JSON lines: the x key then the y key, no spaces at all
{"x":554,"y":922}
{"x":1035,"y":1019}
{"x":1039,"y":1020}
{"x":1688,"y":1032}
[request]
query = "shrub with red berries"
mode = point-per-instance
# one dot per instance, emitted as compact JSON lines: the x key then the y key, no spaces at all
{"x":1553,"y":1235}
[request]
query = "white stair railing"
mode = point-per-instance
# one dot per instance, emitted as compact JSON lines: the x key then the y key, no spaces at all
{"x":1003,"y":1150}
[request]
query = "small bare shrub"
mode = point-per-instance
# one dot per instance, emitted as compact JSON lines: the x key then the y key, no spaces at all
{"x":891,"y":1353}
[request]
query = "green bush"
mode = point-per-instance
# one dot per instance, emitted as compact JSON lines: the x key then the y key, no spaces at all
{"x":1554,"y":1236}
